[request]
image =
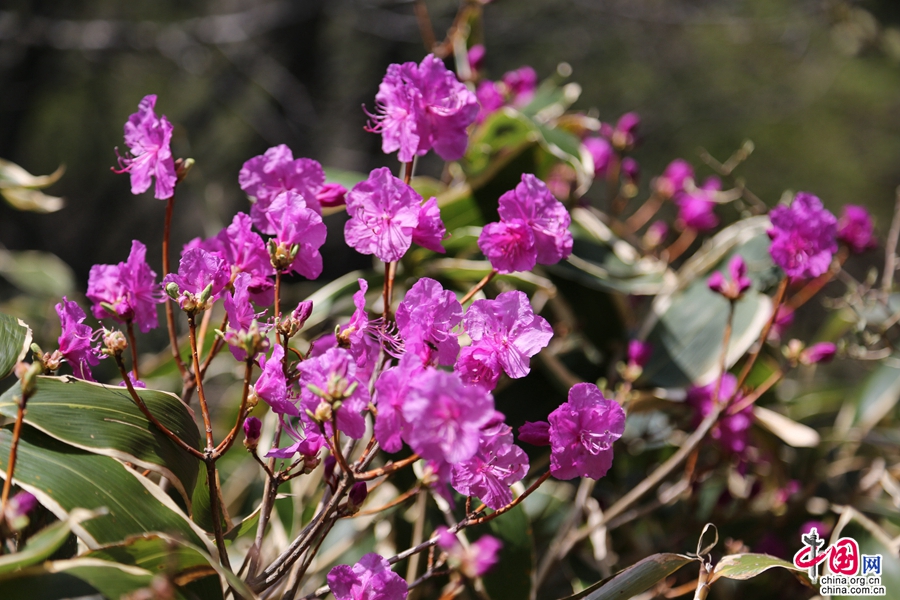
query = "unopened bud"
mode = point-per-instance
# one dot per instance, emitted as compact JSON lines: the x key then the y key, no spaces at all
{"x":821,"y":352}
{"x":52,"y":360}
{"x":252,"y":430}
{"x":28,"y":379}
{"x":793,"y":349}
{"x":183,"y":166}
{"x":323,"y":412}
{"x":302,"y":313}
{"x":330,"y":462}
{"x":173,"y":290}
{"x":357,"y":495}
{"x":205,"y":294}
{"x":114,"y":341}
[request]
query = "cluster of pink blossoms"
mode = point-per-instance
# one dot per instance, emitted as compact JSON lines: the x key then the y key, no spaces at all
{"x":427,"y":391}
{"x":533,"y":229}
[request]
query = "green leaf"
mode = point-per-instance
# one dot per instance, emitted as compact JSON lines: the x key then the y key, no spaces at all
{"x":602,"y":261}
{"x":747,"y":566}
{"x":66,"y":579}
{"x":15,"y":339}
{"x":201,"y":512}
{"x":19,"y":188}
{"x":43,"y":544}
{"x":104,"y":420}
{"x":502,"y":137}
{"x":37,"y":273}
{"x":635,"y":579}
{"x":687,"y":341}
{"x":182,"y":562}
{"x":64,"y":478}
{"x":879,"y":396}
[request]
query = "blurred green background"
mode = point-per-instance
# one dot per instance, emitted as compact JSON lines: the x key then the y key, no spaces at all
{"x":815,"y":84}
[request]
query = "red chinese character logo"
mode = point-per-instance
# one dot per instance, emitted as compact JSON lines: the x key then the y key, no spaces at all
{"x":844,"y":557}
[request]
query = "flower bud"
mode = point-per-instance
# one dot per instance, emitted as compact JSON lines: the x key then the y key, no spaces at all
{"x":114,"y":341}
{"x":52,"y":360}
{"x":821,"y":352}
{"x":302,"y":313}
{"x":17,"y":510}
{"x":173,"y":290}
{"x":323,"y":412}
{"x":330,"y":462}
{"x":332,"y":195}
{"x":183,"y":166}
{"x":252,"y":430}
{"x":656,"y":234}
{"x":357,"y":495}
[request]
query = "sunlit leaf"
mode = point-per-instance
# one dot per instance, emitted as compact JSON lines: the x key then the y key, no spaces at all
{"x":76,"y":578}
{"x":15,"y":339}
{"x":635,"y":579}
{"x":791,"y":432}
{"x":64,"y":478}
{"x":37,"y":273}
{"x":104,"y":420}
{"x":747,"y":566}
{"x":44,"y":543}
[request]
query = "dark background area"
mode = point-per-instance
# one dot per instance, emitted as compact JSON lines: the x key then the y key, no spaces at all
{"x":814,"y":84}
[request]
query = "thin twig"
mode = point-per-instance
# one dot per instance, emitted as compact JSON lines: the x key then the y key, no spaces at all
{"x":484,"y":281}
{"x":143,"y":408}
{"x":226,"y":443}
{"x":13,"y":453}
{"x":890,"y":250}
{"x":204,"y":408}
{"x":129,"y":326}
{"x":748,"y":366}
{"x":170,"y":309}
{"x":644,"y":213}
{"x":386,"y":469}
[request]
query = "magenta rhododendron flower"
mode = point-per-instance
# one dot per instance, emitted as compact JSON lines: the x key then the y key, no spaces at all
{"x":478,"y":365}
{"x":391,"y":390}
{"x":731,"y":430}
{"x":491,"y":471}
{"x":673,"y":179}
{"x":241,"y":315}
{"x":508,"y":327}
{"x":737,"y":283}
{"x":369,"y":579}
{"x":385,"y":215}
{"x":148,"y":139}
{"x":294,"y":225}
{"x":549,"y":220}
{"x":426,"y":318}
{"x":855,"y":229}
{"x":264,"y":177}
{"x":696,"y":208}
{"x":75,"y":339}
{"x":490,"y":99}
{"x":334,"y":373}
{"x":448,"y":416}
{"x":130,"y":288}
{"x":509,"y":246}
{"x":601,"y":152}
{"x":474,"y":561}
{"x":245,"y":252}
{"x":582,"y":432}
{"x":197,"y":271}
{"x":521,"y":85}
{"x":803,"y":237}
{"x":430,"y":230}
{"x":421,"y":107}
{"x":272,"y":384}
